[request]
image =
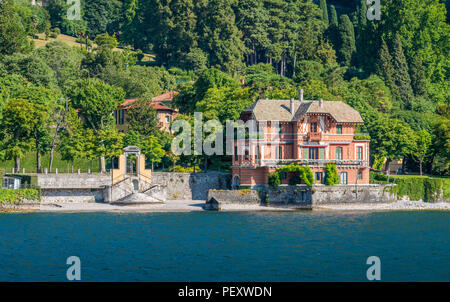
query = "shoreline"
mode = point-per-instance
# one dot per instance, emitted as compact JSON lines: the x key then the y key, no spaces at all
{"x":197,"y":206}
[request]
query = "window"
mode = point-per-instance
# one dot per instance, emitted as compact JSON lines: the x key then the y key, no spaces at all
{"x":339,"y":153}
{"x":360,"y":175}
{"x":121,"y":117}
{"x":339,"y":129}
{"x":246,"y":155}
{"x":343,"y":178}
{"x":313,"y":153}
{"x":283,"y":175}
{"x":115,"y":116}
{"x":278,"y":128}
{"x":257,"y":155}
{"x":359,"y":153}
{"x":236,"y":158}
{"x":167,"y":119}
{"x":279,"y":152}
{"x":318,"y":176}
{"x":313,"y":127}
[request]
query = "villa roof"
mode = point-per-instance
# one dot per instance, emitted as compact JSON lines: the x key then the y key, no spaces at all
{"x":165,"y":97}
{"x":279,"y":110}
{"x":156,"y":105}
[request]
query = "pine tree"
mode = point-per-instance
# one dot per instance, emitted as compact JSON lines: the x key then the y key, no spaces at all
{"x":401,"y":73}
{"x":324,"y":9}
{"x":418,"y":77}
{"x":385,"y":67}
{"x":347,"y":45}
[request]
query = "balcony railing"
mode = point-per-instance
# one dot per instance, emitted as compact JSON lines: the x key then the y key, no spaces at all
{"x":313,"y":162}
{"x":314,"y":136}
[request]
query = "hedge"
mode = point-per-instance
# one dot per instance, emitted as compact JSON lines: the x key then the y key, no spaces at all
{"x":19,"y":196}
{"x":427,"y":189}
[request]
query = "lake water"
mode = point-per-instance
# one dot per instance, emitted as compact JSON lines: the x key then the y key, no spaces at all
{"x":205,"y":246}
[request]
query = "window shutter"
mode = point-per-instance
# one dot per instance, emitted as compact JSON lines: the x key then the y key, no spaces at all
{"x":305,"y":153}
{"x":321,"y":153}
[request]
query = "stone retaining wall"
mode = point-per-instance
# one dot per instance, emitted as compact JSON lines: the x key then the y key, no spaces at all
{"x":72,"y":195}
{"x":190,"y":186}
{"x":302,"y":196}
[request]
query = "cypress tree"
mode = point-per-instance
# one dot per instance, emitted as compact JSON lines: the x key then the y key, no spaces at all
{"x":418,"y":78}
{"x":347,"y":46}
{"x":362,"y":13}
{"x":324,"y":9}
{"x":385,"y":68}
{"x":333,"y":15}
{"x":401,"y":72}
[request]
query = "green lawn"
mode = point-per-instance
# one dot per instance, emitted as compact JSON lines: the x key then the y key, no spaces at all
{"x":29,"y":163}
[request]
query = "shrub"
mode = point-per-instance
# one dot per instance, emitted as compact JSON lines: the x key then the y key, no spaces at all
{"x":331,"y":175}
{"x":361,"y":137}
{"x":180,"y":169}
{"x":19,"y":196}
{"x":304,"y":174}
{"x":274,"y":179}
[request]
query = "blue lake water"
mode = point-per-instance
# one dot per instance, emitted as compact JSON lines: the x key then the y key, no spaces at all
{"x":205,"y":246}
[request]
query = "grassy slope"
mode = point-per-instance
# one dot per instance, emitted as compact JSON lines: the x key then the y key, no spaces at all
{"x":29,"y":163}
{"x":71,"y":41}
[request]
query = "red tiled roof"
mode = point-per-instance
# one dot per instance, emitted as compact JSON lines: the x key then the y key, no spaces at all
{"x":156,"y":105}
{"x":166,"y":96}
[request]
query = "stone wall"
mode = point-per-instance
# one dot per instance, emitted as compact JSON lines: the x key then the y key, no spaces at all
{"x":341,"y":194}
{"x":72,"y":195}
{"x":73,"y":181}
{"x":303,"y":196}
{"x":191,"y":186}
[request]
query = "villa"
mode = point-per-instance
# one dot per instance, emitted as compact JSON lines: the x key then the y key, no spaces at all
{"x":312,"y":133}
{"x":160,"y":103}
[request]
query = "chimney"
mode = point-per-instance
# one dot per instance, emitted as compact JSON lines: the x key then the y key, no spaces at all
{"x":291,"y":106}
{"x":320,"y":103}
{"x":300,"y":95}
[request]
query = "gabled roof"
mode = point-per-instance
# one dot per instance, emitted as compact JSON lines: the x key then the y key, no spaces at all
{"x":279,"y":110}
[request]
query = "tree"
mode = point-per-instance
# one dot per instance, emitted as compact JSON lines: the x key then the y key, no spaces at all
{"x":418,"y":77}
{"x":13,"y":37}
{"x":74,"y":139}
{"x":347,"y":46}
{"x":423,"y":142}
{"x":385,"y":68}
{"x":333,"y":16}
{"x":391,"y":138}
{"x":142,"y":118}
{"x":23,"y":122}
{"x":219,"y":36}
{"x":95,"y":101}
{"x":152,"y":150}
{"x":401,"y":73}
{"x":324,"y":9}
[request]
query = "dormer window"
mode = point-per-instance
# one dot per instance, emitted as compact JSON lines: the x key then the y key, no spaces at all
{"x":339,"y":129}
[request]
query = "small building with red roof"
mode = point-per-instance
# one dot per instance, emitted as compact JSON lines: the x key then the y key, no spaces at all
{"x":165,"y":113}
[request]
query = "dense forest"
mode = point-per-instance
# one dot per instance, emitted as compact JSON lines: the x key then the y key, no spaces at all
{"x":222,"y":55}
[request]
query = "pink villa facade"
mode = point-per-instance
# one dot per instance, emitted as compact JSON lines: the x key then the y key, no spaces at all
{"x":312,"y":133}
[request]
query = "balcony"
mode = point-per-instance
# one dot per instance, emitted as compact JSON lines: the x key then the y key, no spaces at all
{"x":315,"y":162}
{"x":314,"y":136}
